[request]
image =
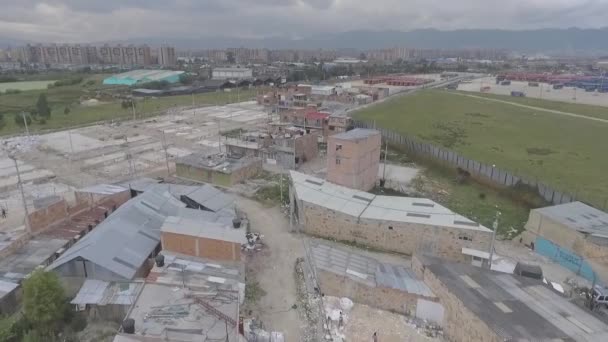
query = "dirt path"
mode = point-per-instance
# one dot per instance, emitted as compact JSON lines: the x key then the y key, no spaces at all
{"x":274,"y":269}
{"x":537,"y":108}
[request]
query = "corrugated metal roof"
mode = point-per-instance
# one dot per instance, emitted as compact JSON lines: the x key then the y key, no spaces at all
{"x":577,"y":216}
{"x":97,"y":292}
{"x":367,"y":270}
{"x":104,"y":189}
{"x":122,"y":242}
{"x":369,"y":206}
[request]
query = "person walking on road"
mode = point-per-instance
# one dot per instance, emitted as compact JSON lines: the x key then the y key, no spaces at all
{"x":375,"y":337}
{"x":3,"y":213}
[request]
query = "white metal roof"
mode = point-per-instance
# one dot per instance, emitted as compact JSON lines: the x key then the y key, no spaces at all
{"x":369,"y":206}
{"x":103,"y":189}
{"x":475,"y":253}
{"x":578,"y":216}
{"x":208,"y":230}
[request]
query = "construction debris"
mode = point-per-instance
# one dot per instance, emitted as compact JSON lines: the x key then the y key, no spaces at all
{"x":254,"y":242}
{"x":254,"y":331}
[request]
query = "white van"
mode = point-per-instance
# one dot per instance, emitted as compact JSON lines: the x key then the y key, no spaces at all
{"x":600,"y":295}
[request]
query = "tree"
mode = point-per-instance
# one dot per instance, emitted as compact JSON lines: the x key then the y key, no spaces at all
{"x":66,"y":110}
{"x":42,"y":107}
{"x":19,"y":119}
{"x":44,"y":302}
{"x":2,"y":121}
{"x":6,"y":329}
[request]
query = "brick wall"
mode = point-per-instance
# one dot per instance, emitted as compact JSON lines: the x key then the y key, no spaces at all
{"x":45,"y":217}
{"x":460,"y":324}
{"x":406,"y":238}
{"x":307,"y":147}
{"x":200,"y":247}
{"x":219,"y":178}
{"x":379,"y":297}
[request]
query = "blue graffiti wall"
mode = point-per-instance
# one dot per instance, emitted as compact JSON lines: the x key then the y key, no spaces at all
{"x":564,"y":257}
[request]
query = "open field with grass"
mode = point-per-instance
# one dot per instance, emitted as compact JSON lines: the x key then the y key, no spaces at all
{"x":567,"y":153}
{"x":108,"y":108}
{"x":580,"y":109}
{"x":24,"y":86}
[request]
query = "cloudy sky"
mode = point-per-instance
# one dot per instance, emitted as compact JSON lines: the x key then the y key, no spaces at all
{"x":99,"y":20}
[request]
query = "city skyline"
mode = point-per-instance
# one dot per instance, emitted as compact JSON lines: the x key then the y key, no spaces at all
{"x":71,"y":21}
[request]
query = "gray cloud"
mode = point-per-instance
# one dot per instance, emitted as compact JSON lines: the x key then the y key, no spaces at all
{"x":81,"y":21}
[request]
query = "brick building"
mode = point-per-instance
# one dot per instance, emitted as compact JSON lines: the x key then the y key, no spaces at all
{"x":573,"y":227}
{"x":217,"y":169}
{"x":353,"y":158}
{"x":488,"y":306}
{"x":397,"y":224}
{"x":212,"y":240}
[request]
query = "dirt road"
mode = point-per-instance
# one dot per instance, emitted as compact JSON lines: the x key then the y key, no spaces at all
{"x":274,"y":269}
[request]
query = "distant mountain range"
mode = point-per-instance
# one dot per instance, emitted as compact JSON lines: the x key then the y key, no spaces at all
{"x":561,"y":41}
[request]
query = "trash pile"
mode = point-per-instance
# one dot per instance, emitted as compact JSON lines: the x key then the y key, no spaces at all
{"x":337,"y":313}
{"x":253,"y":331}
{"x":424,"y":327}
{"x":20,"y":144}
{"x":254,"y":242}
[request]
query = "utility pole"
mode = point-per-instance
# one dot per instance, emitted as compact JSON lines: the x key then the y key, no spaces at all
{"x":28,"y":228}
{"x":166,"y":154}
{"x":27,"y":130}
{"x":71,"y":145}
{"x":219,"y":135}
{"x":495,"y":226}
{"x":385,"y":153}
{"x":133,"y":107}
{"x":193,"y":108}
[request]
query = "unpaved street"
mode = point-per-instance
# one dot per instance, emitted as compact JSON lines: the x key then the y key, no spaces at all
{"x":274,"y":269}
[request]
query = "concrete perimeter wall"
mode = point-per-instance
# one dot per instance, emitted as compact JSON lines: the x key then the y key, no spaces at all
{"x":378,"y":297}
{"x":400,"y":237}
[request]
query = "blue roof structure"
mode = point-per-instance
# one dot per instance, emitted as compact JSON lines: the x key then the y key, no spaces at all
{"x":143,"y":76}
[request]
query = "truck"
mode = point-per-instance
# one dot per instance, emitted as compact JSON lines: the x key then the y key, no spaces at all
{"x":558,"y":86}
{"x":518,"y":94}
{"x":532,"y":84}
{"x":505,"y":83}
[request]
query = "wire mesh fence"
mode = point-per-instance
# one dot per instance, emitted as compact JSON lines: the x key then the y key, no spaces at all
{"x":489,"y":173}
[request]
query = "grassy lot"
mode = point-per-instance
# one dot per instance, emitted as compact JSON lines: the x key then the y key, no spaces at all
{"x":24,"y":86}
{"x":581,"y":109}
{"x":69,"y":96}
{"x":567,"y":153}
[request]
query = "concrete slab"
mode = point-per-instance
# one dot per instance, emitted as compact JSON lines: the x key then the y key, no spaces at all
{"x":60,"y":141}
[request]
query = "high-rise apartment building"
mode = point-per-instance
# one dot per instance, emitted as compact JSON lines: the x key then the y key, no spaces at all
{"x":79,"y":55}
{"x":166,"y":56}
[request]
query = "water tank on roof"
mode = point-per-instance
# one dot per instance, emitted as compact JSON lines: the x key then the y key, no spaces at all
{"x":236,"y":222}
{"x":160,"y":260}
{"x":128,"y":326}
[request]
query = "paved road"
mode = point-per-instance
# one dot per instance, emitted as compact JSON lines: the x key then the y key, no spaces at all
{"x":537,"y":108}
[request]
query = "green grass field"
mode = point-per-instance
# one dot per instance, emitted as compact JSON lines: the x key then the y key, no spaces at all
{"x":568,"y":153}
{"x":581,"y":109}
{"x":69,"y":96}
{"x":24,"y":86}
